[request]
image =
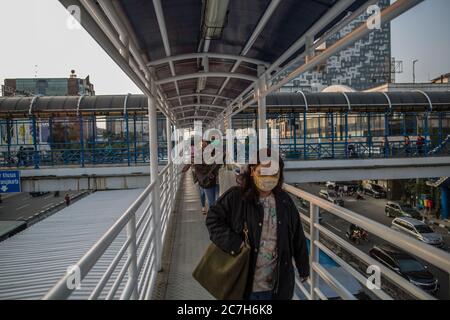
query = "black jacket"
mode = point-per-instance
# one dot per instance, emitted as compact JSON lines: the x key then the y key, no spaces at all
{"x":225,"y":222}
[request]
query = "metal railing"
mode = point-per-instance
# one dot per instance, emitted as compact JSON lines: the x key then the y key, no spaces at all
{"x":317,"y":233}
{"x":132,"y":267}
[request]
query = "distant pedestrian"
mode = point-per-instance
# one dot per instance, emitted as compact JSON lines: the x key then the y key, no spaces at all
{"x":420,"y":144}
{"x":21,"y":156}
{"x":67,"y":199}
{"x":407,"y":146}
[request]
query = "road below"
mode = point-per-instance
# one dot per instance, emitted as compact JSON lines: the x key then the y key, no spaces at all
{"x":21,"y":206}
{"x":374,"y":209}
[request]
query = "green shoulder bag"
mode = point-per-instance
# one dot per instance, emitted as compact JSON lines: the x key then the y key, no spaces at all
{"x":224,"y":276}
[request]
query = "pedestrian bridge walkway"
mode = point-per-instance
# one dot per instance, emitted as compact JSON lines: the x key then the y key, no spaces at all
{"x":132,"y":244}
{"x":300,"y":171}
{"x":33,"y":260}
{"x":184,"y":248}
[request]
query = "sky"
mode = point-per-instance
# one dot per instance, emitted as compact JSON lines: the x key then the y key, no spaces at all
{"x":423,"y":33}
{"x":35,"y":40}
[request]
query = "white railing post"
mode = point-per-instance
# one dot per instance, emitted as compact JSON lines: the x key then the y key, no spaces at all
{"x":314,"y":254}
{"x":169,"y":163}
{"x":154,"y":175}
{"x":132,"y":283}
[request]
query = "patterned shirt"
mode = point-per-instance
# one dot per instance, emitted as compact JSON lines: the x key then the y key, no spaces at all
{"x":266,"y":261}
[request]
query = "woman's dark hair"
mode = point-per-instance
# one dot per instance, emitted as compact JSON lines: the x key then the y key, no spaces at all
{"x":245,"y":181}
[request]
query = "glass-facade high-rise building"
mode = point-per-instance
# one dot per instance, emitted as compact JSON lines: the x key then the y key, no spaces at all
{"x":362,"y":66}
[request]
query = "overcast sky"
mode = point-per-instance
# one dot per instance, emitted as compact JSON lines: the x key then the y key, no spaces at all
{"x":35,"y":39}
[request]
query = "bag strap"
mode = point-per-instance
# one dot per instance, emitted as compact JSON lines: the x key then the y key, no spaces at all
{"x":245,"y":230}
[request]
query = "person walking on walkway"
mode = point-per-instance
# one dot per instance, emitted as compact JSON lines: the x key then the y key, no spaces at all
{"x":67,"y":199}
{"x":407,"y":146}
{"x":21,"y":157}
{"x":206,"y":175}
{"x":275,"y":232}
{"x":420,"y":145}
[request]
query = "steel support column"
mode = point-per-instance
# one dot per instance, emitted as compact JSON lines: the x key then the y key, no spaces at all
{"x":135,"y":139}
{"x":8,"y":138}
{"x":154,"y":175}
{"x":305,"y":134}
{"x":386,"y":135}
{"x":333,"y":138}
{"x":294,"y":118}
{"x":369,"y":133}
{"x":440,"y":124}
{"x":94,"y":133}
{"x":80,"y":119}
{"x":262,"y":110}
{"x":50,"y":129}
{"x":36,"y":152}
{"x":426,"y":132}
{"x":346,"y":135}
{"x":127,"y":137}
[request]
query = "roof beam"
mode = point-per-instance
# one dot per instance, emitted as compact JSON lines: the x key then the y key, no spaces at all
{"x":203,"y":114}
{"x":99,"y":25}
{"x":199,"y":95}
{"x":196,"y":118}
{"x":198,"y":105}
{"x":251,"y":41}
{"x":394,"y":10}
{"x":165,"y":38}
{"x":209,"y":55}
{"x":332,"y":14}
{"x":207,"y":74}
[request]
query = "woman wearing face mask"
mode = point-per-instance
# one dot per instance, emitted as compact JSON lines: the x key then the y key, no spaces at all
{"x":275,"y":232}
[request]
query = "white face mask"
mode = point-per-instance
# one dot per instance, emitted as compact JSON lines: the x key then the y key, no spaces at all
{"x":266,"y":183}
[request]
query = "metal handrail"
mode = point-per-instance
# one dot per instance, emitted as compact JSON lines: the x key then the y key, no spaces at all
{"x":169,"y":177}
{"x":426,"y":252}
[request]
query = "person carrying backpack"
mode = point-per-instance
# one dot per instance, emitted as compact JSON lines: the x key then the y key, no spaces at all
{"x":206,"y":175}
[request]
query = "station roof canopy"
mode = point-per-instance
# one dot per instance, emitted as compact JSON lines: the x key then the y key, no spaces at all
{"x":204,"y":54}
{"x":351,"y":102}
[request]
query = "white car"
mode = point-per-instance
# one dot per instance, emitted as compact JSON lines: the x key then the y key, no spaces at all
{"x":332,"y":197}
{"x":417,"y":229}
{"x":330,"y":184}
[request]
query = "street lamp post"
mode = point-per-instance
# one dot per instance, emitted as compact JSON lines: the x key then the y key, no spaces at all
{"x":414,"y":70}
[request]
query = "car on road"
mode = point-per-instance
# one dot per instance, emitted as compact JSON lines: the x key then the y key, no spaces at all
{"x":419,"y":230}
{"x":350,"y":186}
{"x":394,"y":209}
{"x":375,"y":191}
{"x":331,"y":196}
{"x":406,"y":266}
{"x":330,"y":185}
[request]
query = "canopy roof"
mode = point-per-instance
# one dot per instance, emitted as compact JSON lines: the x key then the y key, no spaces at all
{"x":189,"y":67}
{"x":279,"y":102}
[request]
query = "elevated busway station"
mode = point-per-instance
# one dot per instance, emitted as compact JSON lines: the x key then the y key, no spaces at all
{"x":191,"y":70}
{"x":343,"y":130}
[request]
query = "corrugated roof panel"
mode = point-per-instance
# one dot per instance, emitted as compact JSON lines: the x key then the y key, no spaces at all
{"x":34,"y":260}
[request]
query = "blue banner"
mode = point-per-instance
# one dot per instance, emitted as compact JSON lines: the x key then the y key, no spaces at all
{"x":9,"y":181}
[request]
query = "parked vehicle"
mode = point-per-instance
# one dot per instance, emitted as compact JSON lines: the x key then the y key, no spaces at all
{"x":351,"y":187}
{"x":374,"y":191}
{"x":394,"y":209}
{"x":406,"y":266}
{"x":419,"y":230}
{"x":330,"y":185}
{"x":332,"y":196}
